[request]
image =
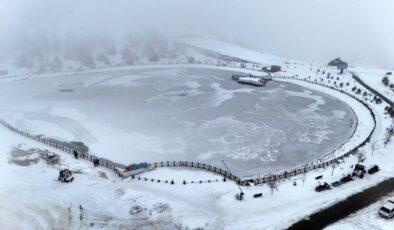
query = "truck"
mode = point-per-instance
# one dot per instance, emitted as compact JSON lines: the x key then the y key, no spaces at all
{"x":359,"y":170}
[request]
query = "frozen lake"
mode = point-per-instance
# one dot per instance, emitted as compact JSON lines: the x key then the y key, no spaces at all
{"x":181,"y":114}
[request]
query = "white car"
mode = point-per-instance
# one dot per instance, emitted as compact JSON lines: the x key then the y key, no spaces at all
{"x":387,"y":210}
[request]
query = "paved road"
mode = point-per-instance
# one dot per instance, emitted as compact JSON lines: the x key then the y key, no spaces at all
{"x":384,"y":98}
{"x":344,"y":208}
{"x":353,"y":203}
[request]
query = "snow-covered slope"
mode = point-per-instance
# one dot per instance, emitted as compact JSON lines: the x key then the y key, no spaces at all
{"x":231,"y":50}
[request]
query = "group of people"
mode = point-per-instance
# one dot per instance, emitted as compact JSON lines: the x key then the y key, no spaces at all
{"x":96,"y":162}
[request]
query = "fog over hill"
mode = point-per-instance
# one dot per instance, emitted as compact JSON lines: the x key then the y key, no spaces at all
{"x":360,"y":31}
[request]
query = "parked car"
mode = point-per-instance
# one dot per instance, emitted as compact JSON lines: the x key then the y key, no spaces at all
{"x":346,"y":179}
{"x":387,"y":210}
{"x":373,"y":169}
{"x":359,"y":170}
{"x":258,"y":195}
{"x":336,"y":183}
{"x":322,"y":187}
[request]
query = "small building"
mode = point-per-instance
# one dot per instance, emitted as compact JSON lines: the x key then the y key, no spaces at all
{"x":273,"y":69}
{"x":341,"y":65}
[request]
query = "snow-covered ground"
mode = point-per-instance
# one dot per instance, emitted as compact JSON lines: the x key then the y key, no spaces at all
{"x":108,"y":202}
{"x":367,"y":218}
{"x":373,"y":77}
{"x":31,"y":198}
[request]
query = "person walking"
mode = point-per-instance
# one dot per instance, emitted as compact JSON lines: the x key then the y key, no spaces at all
{"x":75,"y":154}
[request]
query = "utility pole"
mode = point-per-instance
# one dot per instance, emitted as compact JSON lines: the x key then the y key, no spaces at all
{"x":239,"y":187}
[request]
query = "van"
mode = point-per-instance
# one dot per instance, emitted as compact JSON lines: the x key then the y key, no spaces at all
{"x":387,"y":210}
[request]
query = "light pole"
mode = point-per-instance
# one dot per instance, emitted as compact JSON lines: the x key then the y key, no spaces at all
{"x":239,"y":187}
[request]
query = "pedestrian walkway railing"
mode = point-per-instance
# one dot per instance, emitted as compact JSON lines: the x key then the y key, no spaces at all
{"x":198,"y":165}
{"x":319,"y":163}
{"x":116,"y":167}
{"x":119,"y":168}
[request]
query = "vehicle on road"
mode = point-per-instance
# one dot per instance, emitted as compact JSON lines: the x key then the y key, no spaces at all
{"x":387,"y":210}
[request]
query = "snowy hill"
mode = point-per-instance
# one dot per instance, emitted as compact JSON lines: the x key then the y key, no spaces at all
{"x":231,"y":50}
{"x":82,"y":52}
{"x":85,"y":52}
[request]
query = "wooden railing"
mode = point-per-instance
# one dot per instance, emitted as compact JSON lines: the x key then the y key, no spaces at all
{"x":118,"y":168}
{"x":320,"y":163}
{"x":204,"y":166}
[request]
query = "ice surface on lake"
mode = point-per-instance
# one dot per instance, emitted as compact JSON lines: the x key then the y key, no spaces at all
{"x":181,"y":114}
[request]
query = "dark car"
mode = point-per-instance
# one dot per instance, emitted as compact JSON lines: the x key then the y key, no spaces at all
{"x":373,"y":169}
{"x":346,"y":179}
{"x":322,"y":187}
{"x":336,"y":183}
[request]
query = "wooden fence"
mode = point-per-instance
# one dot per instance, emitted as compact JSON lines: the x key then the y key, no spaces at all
{"x":320,"y":163}
{"x":198,"y":165}
{"x":118,"y":168}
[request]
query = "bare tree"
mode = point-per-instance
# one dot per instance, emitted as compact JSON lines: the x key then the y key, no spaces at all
{"x":303,"y":178}
{"x":55,"y":64}
{"x":23,"y":61}
{"x":273,"y":186}
{"x":374,"y":144}
{"x":103,"y":58}
{"x":389,"y":134}
{"x":129,"y":56}
{"x":386,"y":80}
{"x":333,"y":166}
{"x":87,"y":60}
{"x":360,"y":156}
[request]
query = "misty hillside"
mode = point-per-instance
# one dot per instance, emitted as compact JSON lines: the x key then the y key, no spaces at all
{"x":84,"y":52}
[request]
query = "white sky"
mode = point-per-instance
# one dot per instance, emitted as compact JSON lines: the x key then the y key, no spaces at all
{"x":361,"y":31}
